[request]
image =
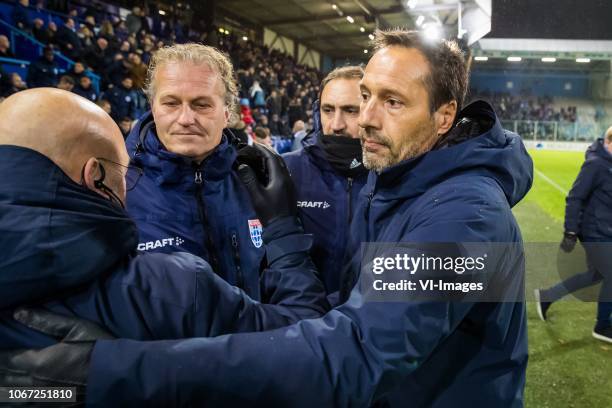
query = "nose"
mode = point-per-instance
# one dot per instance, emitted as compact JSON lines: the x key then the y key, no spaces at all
{"x":369,"y":116}
{"x":338,"y":124}
{"x":187,"y":115}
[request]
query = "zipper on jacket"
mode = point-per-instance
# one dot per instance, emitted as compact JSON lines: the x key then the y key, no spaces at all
{"x":349,"y":187}
{"x":208,"y":244}
{"x":239,"y":276}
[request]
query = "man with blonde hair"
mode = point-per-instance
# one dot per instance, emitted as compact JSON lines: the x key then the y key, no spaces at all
{"x":190,"y":198}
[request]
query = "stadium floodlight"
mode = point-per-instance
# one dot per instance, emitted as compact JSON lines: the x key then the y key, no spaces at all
{"x":583,"y":60}
{"x":371,"y":36}
{"x":245,"y":38}
{"x":420,"y":20}
{"x":431,"y":32}
{"x":362,"y":29}
{"x":514,"y":59}
{"x":549,"y":59}
{"x":226,"y":32}
{"x":350,"y":19}
{"x":481,"y":58}
{"x":162,"y":12}
{"x":365,"y":51}
{"x":411,"y":3}
{"x":334,"y":7}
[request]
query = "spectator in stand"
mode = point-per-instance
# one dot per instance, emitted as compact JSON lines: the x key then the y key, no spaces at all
{"x":138,"y":70}
{"x":274,"y":103}
{"x":85,"y":89}
{"x":98,"y":56}
{"x":77,"y":71}
{"x":121,"y":98}
{"x":299,"y":133}
{"x":44,"y":71}
{"x":66,"y":83}
{"x":126,"y":126}
{"x":262,"y":136}
{"x":105,"y":105}
{"x":20,"y":15}
{"x":15,"y":84}
{"x":257,"y":95}
{"x":278,"y":127}
{"x":68,"y":40}
{"x":133,"y":21}
{"x":39,"y":31}
{"x":86,"y":37}
{"x":5,"y":47}
{"x":296,"y":112}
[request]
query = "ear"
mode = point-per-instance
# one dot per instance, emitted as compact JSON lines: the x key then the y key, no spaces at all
{"x":445,"y":117}
{"x":91,"y":173}
{"x":227,"y":116}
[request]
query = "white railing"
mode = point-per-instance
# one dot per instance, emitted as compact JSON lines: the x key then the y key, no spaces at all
{"x":543,"y":130}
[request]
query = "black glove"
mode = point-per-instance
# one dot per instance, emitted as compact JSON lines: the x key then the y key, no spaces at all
{"x":267,"y":179}
{"x":65,"y":364}
{"x":569,"y":242}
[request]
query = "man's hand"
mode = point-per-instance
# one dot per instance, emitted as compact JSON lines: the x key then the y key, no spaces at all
{"x":268,"y":182}
{"x":65,"y":364}
{"x":569,"y":242}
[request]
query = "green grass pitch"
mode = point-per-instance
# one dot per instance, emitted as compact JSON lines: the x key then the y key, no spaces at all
{"x":567,"y":367}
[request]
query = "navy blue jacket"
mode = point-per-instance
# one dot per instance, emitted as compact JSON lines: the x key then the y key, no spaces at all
{"x":73,"y":250}
{"x":122,"y":100}
{"x":447,"y":354}
{"x":204,"y":210}
{"x":588,"y":210}
{"x":326,"y":200}
{"x":42,"y":73}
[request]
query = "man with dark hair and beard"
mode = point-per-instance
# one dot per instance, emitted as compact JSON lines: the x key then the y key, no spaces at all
{"x":443,"y":173}
{"x":328,"y":171}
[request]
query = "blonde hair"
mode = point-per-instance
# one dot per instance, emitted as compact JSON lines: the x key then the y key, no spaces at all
{"x":608,"y":135}
{"x":196,"y":54}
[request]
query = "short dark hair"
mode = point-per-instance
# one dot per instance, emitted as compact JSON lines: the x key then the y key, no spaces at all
{"x":261,"y":132}
{"x":347,"y":72}
{"x":68,"y":79}
{"x":448,"y":74}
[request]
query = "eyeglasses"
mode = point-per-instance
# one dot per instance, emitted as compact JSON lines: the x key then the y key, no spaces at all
{"x":132,"y":173}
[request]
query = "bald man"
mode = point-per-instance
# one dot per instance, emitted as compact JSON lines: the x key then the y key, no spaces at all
{"x":68,"y":243}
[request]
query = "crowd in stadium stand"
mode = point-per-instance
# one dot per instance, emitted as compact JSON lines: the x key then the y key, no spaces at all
{"x":276,"y":93}
{"x":527,"y":107}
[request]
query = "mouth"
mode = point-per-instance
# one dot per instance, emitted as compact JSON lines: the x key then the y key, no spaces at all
{"x":372,"y":146}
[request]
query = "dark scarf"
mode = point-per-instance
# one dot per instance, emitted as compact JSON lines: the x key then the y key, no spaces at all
{"x":344,"y":154}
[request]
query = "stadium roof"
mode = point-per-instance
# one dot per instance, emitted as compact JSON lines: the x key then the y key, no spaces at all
{"x":325,"y":25}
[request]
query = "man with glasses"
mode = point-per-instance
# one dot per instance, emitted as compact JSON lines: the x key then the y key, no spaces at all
{"x":70,"y":248}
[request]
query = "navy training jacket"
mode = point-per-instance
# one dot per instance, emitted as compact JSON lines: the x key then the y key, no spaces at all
{"x":73,"y":251}
{"x":442,"y":354}
{"x":326,"y":200}
{"x":204,"y":210}
{"x":588,"y":212}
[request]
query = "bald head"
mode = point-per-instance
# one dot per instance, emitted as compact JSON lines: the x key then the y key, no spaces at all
{"x":65,"y":127}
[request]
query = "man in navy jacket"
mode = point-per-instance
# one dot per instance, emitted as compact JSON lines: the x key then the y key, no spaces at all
{"x":588,"y":216}
{"x":328,"y":172}
{"x":190,"y":198}
{"x":442,"y":174}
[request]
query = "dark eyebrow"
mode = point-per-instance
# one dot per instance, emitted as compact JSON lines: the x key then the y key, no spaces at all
{"x":347,"y":107}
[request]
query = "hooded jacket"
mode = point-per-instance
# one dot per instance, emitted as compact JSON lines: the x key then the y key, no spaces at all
{"x":326,"y":200}
{"x":72,"y":250}
{"x":587,"y":210}
{"x":201,"y":209}
{"x":446,"y":353}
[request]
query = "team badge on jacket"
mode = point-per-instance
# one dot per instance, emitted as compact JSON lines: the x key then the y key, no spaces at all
{"x":255,"y":229}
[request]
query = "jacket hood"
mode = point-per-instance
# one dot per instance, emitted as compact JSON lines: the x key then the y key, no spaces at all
{"x":55,"y":234}
{"x":477,"y":144}
{"x":146,"y":151}
{"x":598,"y":150}
{"x":317,"y":127}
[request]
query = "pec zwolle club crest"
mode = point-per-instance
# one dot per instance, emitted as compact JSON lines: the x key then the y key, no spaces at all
{"x":255,"y":229}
